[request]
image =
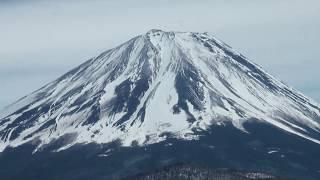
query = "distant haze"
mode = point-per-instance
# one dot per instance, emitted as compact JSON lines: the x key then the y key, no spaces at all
{"x":41,"y":40}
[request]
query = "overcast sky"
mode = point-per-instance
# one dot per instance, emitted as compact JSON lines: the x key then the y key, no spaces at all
{"x":42,"y":39}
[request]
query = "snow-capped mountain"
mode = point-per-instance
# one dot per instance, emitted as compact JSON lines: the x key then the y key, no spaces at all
{"x":157,"y":83}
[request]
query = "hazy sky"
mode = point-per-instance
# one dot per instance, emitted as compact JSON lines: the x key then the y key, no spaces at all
{"x":42,"y":39}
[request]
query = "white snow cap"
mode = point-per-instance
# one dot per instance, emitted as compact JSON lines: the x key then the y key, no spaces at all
{"x":157,"y":83}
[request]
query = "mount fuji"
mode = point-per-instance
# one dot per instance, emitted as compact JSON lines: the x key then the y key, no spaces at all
{"x":157,"y":99}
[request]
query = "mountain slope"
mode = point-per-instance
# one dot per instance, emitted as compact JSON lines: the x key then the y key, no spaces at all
{"x":157,"y":83}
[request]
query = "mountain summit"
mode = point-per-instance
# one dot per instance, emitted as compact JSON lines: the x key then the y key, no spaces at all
{"x":154,"y":84}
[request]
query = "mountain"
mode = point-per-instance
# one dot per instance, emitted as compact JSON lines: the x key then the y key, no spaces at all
{"x":158,"y":91}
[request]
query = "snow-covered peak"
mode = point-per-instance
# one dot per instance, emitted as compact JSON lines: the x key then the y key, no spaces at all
{"x":153,"y":32}
{"x":156,"y":83}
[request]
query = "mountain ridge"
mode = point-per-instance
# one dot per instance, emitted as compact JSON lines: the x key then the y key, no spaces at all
{"x":157,"y":83}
